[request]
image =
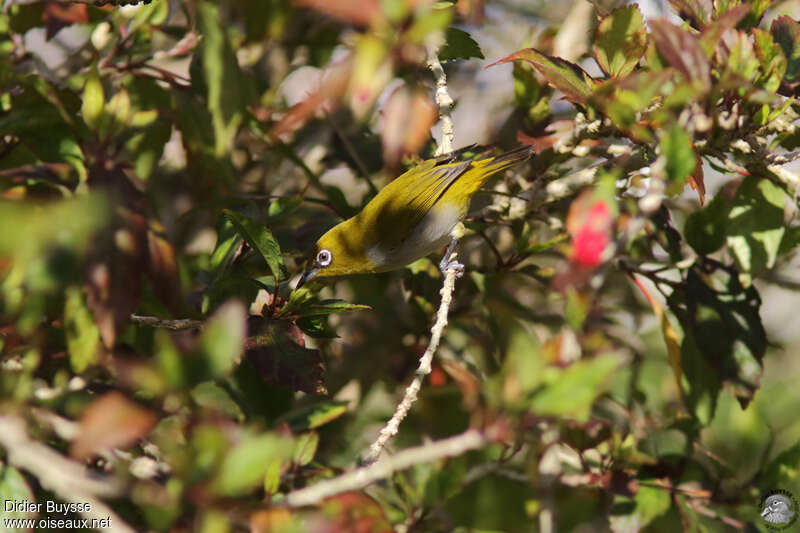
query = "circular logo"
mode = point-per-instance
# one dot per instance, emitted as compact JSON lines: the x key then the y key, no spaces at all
{"x":779,"y":509}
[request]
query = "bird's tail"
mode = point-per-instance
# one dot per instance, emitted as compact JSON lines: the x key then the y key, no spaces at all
{"x":483,"y":169}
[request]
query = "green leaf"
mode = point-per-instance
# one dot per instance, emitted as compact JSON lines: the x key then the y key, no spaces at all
{"x":676,"y":146}
{"x":567,"y":77}
{"x":211,"y":396}
{"x":222,"y":76}
{"x":261,"y":240}
{"x":93,"y":100}
{"x":772,"y":60}
{"x":783,"y":470}
{"x":706,"y":228}
{"x":786,"y":33}
{"x":305,"y":447}
{"x":245,"y":466}
{"x":329,"y":307}
{"x":724,"y":340}
{"x":223,"y":338}
{"x":620,"y":41}
{"x":272,"y":476}
{"x":755,"y":224}
{"x":315,"y":416}
{"x":14,"y":488}
{"x":83,"y":337}
{"x":649,"y":503}
{"x":572,"y":392}
{"x":459,"y":45}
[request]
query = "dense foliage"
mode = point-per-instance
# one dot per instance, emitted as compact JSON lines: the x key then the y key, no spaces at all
{"x":166,"y":167}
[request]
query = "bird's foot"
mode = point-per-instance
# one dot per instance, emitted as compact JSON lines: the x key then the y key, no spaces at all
{"x":454,"y":265}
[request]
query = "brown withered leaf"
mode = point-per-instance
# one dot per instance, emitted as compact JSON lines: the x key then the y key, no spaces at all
{"x":697,"y":180}
{"x":162,"y":268}
{"x":115,"y":267}
{"x":682,"y":50}
{"x":407,"y":120}
{"x":279,"y":354}
{"x":112,"y":421}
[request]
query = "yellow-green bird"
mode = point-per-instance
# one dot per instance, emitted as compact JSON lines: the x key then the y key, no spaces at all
{"x":413,"y":216}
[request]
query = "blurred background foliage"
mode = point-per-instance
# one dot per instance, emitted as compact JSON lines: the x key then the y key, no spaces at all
{"x":627,"y":324}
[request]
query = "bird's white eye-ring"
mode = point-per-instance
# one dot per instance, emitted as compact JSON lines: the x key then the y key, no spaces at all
{"x":324,"y":258}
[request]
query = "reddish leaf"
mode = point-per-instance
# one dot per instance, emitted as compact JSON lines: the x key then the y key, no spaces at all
{"x":162,"y":267}
{"x":697,"y":181}
{"x":279,"y":354}
{"x":111,"y":422}
{"x":57,"y":15}
{"x":115,"y":271}
{"x":407,"y":120}
{"x":713,"y":32}
{"x":354,"y":512}
{"x":326,"y":98}
{"x":565,"y":76}
{"x":358,"y":12}
{"x":683,"y":51}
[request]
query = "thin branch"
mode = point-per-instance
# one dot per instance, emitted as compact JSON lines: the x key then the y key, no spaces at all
{"x":362,"y":477}
{"x":783,"y":158}
{"x":424,"y":368}
{"x":173,"y":324}
{"x":68,"y":479}
{"x":452,"y":271}
{"x":443,"y":100}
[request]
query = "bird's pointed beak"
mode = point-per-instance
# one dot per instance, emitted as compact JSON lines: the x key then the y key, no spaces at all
{"x":306,"y":276}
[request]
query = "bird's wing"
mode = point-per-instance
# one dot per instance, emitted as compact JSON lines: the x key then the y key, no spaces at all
{"x":406,"y":200}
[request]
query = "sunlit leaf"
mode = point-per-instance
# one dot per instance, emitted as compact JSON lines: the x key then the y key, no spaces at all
{"x":755,"y":225}
{"x":244,"y":466}
{"x":261,"y":240}
{"x":573,"y":391}
{"x":567,"y":77}
{"x":83,"y":337}
{"x":620,"y":41}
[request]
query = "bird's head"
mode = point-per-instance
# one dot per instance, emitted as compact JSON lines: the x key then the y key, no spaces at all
{"x":340,"y":252}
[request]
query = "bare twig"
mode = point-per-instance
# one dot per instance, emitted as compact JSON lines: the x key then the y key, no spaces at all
{"x":167,"y":323}
{"x":445,"y":103}
{"x":361,"y":477}
{"x":443,"y":100}
{"x":424,"y":368}
{"x":69,"y":480}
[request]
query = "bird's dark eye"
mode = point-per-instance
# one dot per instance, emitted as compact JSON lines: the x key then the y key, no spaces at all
{"x":324,"y":258}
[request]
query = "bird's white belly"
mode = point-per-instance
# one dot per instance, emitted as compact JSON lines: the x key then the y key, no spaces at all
{"x":432,"y":233}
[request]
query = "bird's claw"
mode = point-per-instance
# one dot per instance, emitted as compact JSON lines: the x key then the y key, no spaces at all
{"x":455,"y":266}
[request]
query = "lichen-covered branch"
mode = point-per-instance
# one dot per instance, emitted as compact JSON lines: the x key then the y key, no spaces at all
{"x":362,"y":477}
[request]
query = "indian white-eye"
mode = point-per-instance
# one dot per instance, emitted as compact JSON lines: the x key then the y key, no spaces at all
{"x":409,"y":218}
